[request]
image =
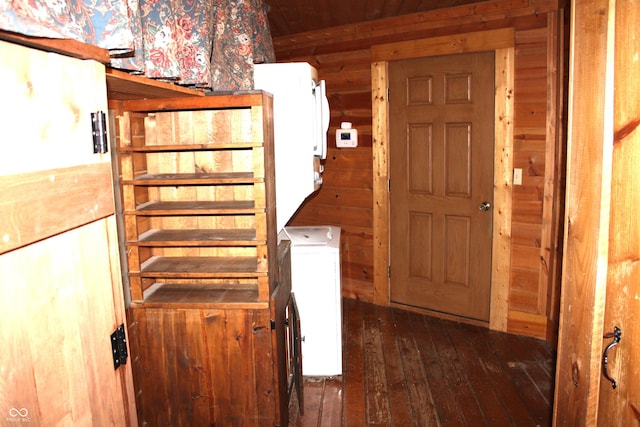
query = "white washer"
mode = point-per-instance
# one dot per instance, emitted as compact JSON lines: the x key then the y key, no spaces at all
{"x":316,"y":283}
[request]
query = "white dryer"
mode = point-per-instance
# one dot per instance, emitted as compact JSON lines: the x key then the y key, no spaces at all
{"x":316,"y":283}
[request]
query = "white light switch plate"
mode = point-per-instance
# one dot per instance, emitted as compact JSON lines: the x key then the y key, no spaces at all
{"x":517,"y":176}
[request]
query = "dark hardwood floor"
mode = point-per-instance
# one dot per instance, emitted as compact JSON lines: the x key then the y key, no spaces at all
{"x":406,"y":369}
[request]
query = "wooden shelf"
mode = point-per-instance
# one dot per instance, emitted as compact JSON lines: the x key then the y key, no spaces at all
{"x":202,"y":296}
{"x":123,"y":86}
{"x":68,"y":47}
{"x":201,"y":267}
{"x":194,"y":179}
{"x":199,"y":237}
{"x":194,"y":207}
{"x":190,"y":147}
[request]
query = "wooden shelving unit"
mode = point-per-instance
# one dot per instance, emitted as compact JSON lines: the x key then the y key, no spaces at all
{"x":210,"y":290}
{"x":195,"y":185}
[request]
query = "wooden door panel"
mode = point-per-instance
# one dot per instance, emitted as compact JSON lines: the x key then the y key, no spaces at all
{"x":441,"y":130}
{"x":60,"y":284}
{"x":457,"y":153}
{"x":174,"y":370}
{"x":601,"y":272}
{"x":420,"y":158}
{"x":57,"y":362}
{"x":420,"y":239}
{"x":623,"y":276}
{"x":198,"y":367}
{"x":457,"y":250}
{"x":47,"y":101}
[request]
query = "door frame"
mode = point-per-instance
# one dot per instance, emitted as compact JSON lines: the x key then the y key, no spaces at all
{"x":502,"y":42}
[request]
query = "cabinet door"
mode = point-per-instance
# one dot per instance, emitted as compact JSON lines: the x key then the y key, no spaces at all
{"x":199,"y":368}
{"x":60,"y":283}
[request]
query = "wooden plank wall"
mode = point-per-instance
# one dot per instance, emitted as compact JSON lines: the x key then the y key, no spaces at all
{"x":342,"y":57}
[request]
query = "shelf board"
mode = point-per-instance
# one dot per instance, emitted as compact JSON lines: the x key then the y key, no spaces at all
{"x":198,"y":237}
{"x":202,"y":296}
{"x":194,"y":207}
{"x":201,"y":267}
{"x":69,"y":47}
{"x":190,"y":147}
{"x":124,"y":86}
{"x":174,"y":179}
{"x":212,"y":101}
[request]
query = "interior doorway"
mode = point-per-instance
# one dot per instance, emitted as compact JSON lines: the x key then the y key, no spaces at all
{"x":501,"y":42}
{"x":441,"y":129}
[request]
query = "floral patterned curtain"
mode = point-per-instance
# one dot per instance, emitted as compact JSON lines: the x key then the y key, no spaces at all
{"x":102,"y":23}
{"x":240,"y":40}
{"x":210,"y":44}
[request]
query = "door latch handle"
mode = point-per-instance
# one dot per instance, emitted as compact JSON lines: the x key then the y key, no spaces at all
{"x":617,"y":336}
{"x":484,"y":206}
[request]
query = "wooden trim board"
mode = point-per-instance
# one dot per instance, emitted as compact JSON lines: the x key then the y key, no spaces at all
{"x":68,"y":47}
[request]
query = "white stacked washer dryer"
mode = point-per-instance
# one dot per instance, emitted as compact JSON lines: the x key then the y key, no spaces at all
{"x":316,"y":283}
{"x":300,"y":124}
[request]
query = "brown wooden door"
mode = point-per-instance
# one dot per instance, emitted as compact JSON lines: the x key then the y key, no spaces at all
{"x":441,"y":127}
{"x":623,"y":277}
{"x":601,"y":271}
{"x":60,"y":281}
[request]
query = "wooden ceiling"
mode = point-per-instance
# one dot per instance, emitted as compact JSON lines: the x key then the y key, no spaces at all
{"x":288,"y":17}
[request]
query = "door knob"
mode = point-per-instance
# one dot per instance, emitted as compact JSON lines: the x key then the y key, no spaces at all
{"x":484,"y":206}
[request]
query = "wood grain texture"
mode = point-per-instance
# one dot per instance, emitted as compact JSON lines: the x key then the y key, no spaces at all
{"x":61,"y":309}
{"x":444,"y":45}
{"x":66,"y":47}
{"x":192,"y":367}
{"x":341,"y":55}
{"x":502,"y":192}
{"x":623,"y":275}
{"x":197,"y":178}
{"x":122,"y":86}
{"x":61,"y":285}
{"x":36,"y":205}
{"x":208,"y":302}
{"x":587,"y":216}
{"x":408,"y":369}
{"x":600,"y":276}
{"x":288,"y":17}
{"x":46,"y":115}
{"x":356,"y":35}
{"x":503,"y":123}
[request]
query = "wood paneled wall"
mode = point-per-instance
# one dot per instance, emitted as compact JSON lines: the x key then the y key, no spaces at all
{"x":342,"y":57}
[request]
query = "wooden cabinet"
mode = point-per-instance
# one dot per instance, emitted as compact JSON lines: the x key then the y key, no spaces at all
{"x":208,"y":311}
{"x":60,"y":285}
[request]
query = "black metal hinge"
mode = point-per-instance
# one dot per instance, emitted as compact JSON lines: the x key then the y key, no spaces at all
{"x":273,"y":325}
{"x":119,"y":347}
{"x":99,"y":132}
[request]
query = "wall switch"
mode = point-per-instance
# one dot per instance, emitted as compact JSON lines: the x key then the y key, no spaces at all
{"x":517,"y":176}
